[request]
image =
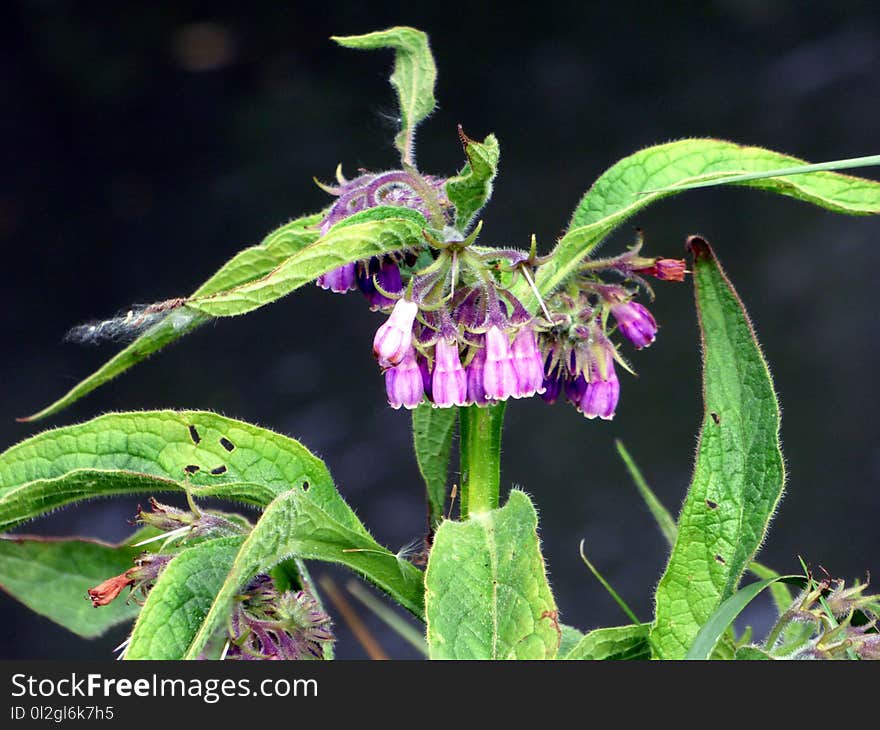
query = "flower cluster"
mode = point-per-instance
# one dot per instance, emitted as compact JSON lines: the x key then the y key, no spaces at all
{"x":457,"y":335}
{"x":268,"y":624}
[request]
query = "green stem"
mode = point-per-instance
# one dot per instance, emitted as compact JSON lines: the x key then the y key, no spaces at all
{"x":480,"y":457}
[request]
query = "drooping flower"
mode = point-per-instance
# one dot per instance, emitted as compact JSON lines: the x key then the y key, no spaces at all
{"x":635,"y":322}
{"x":403,"y":383}
{"x":602,"y":391}
{"x":105,"y":593}
{"x":449,"y":381}
{"x":476,"y":391}
{"x":500,"y":380}
{"x":339,"y":280}
{"x":527,"y":363}
{"x":553,"y":380}
{"x":394,"y":338}
{"x":666,"y":269}
{"x":387,"y":274}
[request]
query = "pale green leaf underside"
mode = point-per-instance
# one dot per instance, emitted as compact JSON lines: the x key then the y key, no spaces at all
{"x":413,"y":77}
{"x":472,"y":187}
{"x":148,"y":452}
{"x":738,"y":477}
{"x":432,"y":440}
{"x":342,"y":245}
{"x":249,"y":264}
{"x":52,"y":577}
{"x":487,"y":595}
{"x":297,"y":525}
{"x":613,"y":643}
{"x":621,"y":192}
{"x":176,"y":606}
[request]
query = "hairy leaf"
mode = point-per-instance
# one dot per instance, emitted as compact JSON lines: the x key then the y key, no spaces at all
{"x":487,"y":595}
{"x":739,"y":474}
{"x":52,"y":577}
{"x":472,"y":187}
{"x":432,"y":438}
{"x":343,"y":244}
{"x":312,"y":523}
{"x":152,"y":451}
{"x":613,"y":643}
{"x":413,"y":77}
{"x":252,"y":263}
{"x":177,"y":604}
{"x":622,"y":191}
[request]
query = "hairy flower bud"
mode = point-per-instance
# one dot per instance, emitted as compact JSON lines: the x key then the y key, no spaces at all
{"x":635,"y":322}
{"x":393,"y":339}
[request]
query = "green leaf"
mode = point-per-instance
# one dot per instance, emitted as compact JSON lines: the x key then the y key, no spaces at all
{"x":52,"y":577}
{"x":724,"y":179}
{"x":739,"y":474}
{"x":343,"y":244}
{"x":781,"y":594}
{"x":661,"y":515}
{"x":176,"y":606}
{"x":722,"y":617}
{"x":613,"y":643}
{"x":312,"y":523}
{"x":432,"y":438}
{"x":472,"y":187}
{"x":248,"y":265}
{"x":413,"y":77}
{"x":149,"y":451}
{"x":621,"y":192}
{"x":487,"y":595}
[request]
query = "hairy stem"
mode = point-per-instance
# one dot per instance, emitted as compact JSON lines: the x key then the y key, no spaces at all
{"x":480,"y":457}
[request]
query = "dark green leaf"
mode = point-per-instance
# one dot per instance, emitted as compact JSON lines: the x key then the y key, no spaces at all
{"x":739,"y":474}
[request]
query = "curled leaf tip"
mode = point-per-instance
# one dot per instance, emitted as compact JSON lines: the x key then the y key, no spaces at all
{"x":699,"y":247}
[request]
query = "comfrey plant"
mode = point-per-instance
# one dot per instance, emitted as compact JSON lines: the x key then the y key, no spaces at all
{"x":468,"y":327}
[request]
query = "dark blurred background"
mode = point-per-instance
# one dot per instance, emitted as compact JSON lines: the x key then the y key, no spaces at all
{"x":145,"y":143}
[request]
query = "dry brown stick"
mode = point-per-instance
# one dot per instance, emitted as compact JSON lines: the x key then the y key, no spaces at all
{"x":351,"y":618}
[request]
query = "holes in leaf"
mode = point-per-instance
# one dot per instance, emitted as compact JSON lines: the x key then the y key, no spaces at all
{"x":720,"y":560}
{"x":194,"y":435}
{"x":191,"y":468}
{"x":715,"y":417}
{"x":306,"y":486}
{"x":218,"y":470}
{"x":226,"y":443}
{"x":711,"y":505}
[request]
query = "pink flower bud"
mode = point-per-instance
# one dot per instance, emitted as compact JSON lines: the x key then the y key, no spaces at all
{"x":636,"y":323}
{"x":394,"y":338}
{"x":528,"y":363}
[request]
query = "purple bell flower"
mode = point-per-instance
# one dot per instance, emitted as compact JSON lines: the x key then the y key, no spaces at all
{"x":499,"y":376}
{"x":635,"y":322}
{"x":339,"y":280}
{"x":404,"y":383}
{"x":602,"y":393}
{"x":476,"y":392}
{"x":527,"y":363}
{"x":449,"y":382}
{"x":426,"y":376}
{"x":394,"y":338}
